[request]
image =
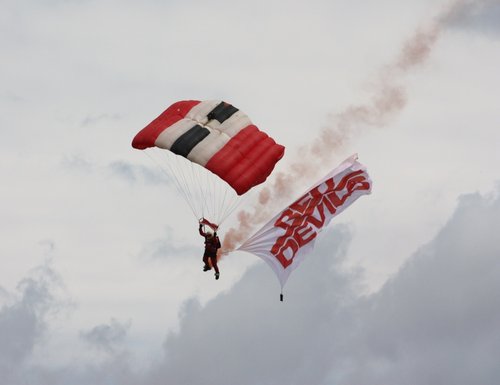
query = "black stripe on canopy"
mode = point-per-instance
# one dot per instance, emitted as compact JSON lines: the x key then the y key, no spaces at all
{"x":185,"y":143}
{"x":222,"y":112}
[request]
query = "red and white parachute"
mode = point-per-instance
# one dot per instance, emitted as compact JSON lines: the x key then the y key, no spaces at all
{"x":211,"y":136}
{"x":285,"y":240}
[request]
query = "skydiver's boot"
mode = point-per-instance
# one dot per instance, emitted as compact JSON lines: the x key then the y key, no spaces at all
{"x":213,"y":261}
{"x":206,"y":266}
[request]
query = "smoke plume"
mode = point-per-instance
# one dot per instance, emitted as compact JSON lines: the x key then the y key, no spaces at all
{"x":388,"y":98}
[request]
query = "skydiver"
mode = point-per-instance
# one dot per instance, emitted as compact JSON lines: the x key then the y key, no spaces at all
{"x":212,"y":244}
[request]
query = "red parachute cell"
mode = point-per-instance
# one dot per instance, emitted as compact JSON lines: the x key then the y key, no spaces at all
{"x":217,"y":136}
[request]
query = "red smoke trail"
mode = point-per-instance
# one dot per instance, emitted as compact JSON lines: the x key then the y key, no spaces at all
{"x":388,"y":98}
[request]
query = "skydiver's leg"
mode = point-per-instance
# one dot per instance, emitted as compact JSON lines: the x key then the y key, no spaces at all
{"x":214,"y":264}
{"x":205,"y":261}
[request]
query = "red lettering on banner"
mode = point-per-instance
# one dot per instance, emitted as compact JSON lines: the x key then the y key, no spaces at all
{"x":303,"y":219}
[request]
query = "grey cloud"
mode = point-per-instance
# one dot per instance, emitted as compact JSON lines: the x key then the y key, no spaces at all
{"x":95,"y":119}
{"x":106,"y":337}
{"x":114,"y":369}
{"x":167,"y":247}
{"x":436,"y":321}
{"x":24,"y":321}
{"x":126,"y":171}
{"x":248,"y":337}
{"x":4,"y":294}
{"x":482,"y":16}
{"x":11,"y":97}
{"x":49,"y":246}
{"x":77,"y":162}
{"x":135,"y":173}
{"x":24,"y":325}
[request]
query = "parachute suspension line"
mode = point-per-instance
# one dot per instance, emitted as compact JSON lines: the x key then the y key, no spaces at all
{"x":222,"y":204}
{"x":226,"y":204}
{"x":178,"y":172}
{"x":210,"y":194}
{"x":186,"y":171}
{"x":206,"y":190}
{"x":234,"y":202}
{"x":216,"y":198}
{"x":201,"y":186}
{"x":210,"y":197}
{"x":189,"y":182}
{"x":219,"y":190}
{"x":173,"y":178}
{"x":206,"y":194}
{"x":232,"y":206}
{"x":218,"y":187}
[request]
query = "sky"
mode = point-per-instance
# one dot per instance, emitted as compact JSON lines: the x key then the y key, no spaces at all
{"x":101,"y":279}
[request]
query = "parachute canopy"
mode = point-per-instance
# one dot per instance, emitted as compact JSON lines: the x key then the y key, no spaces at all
{"x":217,"y":136}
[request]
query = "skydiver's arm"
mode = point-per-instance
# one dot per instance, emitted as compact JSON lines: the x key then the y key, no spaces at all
{"x":200,"y":229}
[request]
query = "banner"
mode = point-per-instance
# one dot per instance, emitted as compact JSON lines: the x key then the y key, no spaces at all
{"x":289,"y":236}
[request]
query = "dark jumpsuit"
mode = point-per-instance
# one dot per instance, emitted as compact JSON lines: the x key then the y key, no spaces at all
{"x":212,"y":244}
